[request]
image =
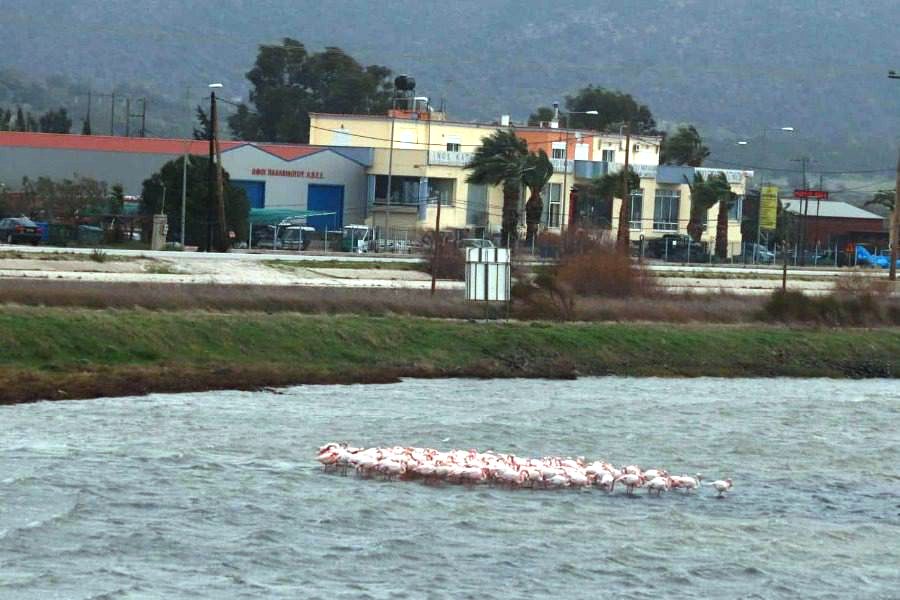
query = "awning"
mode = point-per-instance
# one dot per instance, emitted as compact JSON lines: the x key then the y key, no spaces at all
{"x":277,"y":216}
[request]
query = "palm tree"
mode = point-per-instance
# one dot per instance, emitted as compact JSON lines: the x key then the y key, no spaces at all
{"x":883,"y":198}
{"x":684,"y":147}
{"x":886,"y":199}
{"x":500,"y":160}
{"x":703,"y":197}
{"x":722,"y":191}
{"x":621,"y":185}
{"x":537,"y":172}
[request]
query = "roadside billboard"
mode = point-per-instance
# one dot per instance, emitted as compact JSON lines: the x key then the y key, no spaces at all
{"x":768,"y":207}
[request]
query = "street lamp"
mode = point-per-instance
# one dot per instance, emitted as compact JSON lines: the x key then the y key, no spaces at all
{"x":565,"y":190}
{"x":762,"y":179}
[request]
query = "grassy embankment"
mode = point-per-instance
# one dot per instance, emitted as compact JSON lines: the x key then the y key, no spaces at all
{"x":57,"y":353}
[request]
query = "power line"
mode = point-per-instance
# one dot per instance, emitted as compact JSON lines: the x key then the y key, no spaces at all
{"x":783,"y":170}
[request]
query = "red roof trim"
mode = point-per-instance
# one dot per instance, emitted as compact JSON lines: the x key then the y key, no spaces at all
{"x":105,"y":143}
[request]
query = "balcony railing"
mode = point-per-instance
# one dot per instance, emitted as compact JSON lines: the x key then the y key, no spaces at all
{"x":643,"y":171}
{"x":562,"y":166}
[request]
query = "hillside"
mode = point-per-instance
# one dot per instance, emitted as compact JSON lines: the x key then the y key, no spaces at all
{"x":730,"y":66}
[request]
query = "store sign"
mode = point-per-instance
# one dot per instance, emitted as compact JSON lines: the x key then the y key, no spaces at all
{"x":259,"y":172}
{"x":819,"y":194}
{"x":768,"y":207}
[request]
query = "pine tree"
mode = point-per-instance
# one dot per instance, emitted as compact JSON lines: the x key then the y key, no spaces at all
{"x":21,"y":123}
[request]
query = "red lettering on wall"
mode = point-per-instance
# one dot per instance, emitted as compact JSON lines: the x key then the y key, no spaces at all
{"x":260,"y":172}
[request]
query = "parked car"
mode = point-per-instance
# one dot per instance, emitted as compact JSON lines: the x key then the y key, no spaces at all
{"x":475,"y":243}
{"x":757,"y":253}
{"x":20,"y":230}
{"x":865,"y":258}
{"x":357,"y":238}
{"x":291,"y":237}
{"x":677,"y":247}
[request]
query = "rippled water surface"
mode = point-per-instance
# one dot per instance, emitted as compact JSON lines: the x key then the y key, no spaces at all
{"x":217,"y":495}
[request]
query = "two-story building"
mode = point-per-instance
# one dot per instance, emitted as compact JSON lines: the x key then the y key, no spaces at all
{"x":419,"y":159}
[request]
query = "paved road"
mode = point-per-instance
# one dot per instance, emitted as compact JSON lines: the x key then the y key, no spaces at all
{"x":237,"y":255}
{"x":399,"y":258}
{"x":245,"y":268}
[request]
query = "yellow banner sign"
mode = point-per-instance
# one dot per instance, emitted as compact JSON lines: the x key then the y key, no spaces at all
{"x":768,"y":207}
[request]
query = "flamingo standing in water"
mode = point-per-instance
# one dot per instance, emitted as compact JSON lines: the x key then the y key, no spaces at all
{"x":630,"y":481}
{"x":686,"y":483}
{"x":658,"y":484}
{"x":721,"y":486}
{"x":473,"y":467}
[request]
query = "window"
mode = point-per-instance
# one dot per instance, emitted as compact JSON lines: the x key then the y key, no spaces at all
{"x":609,"y":156}
{"x":637,"y":209}
{"x":404,"y":190}
{"x":453,"y":143}
{"x":559,"y":150}
{"x":636,"y":148}
{"x":736,"y":211}
{"x":665,"y":210}
{"x":440,"y":189}
{"x":552,"y":204}
{"x":477,"y":205}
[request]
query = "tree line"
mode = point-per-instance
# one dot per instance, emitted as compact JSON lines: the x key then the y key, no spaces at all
{"x":52,"y":121}
{"x":63,"y":200}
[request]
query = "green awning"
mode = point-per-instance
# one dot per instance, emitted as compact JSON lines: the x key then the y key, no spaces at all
{"x":275,"y":216}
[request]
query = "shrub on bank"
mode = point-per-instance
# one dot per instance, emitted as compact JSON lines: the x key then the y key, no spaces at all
{"x":596,"y":270}
{"x":603,"y":272}
{"x":450,"y":265}
{"x":835,"y":309}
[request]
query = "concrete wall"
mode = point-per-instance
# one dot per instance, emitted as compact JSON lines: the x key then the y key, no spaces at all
{"x":129,"y":170}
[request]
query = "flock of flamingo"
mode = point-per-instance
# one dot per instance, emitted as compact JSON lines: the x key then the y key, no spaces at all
{"x":472,"y":467}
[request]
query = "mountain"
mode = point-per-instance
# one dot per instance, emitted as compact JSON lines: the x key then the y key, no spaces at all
{"x":732,"y":67}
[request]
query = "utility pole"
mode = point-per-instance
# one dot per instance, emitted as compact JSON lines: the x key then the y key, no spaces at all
{"x":895,"y":225}
{"x":438,"y":242}
{"x":623,"y":240}
{"x":818,"y":208}
{"x":387,"y":209}
{"x":210,"y":178}
{"x":803,"y":209}
{"x":112,"y":114}
{"x":895,"y":217}
{"x":128,"y":116}
{"x":184,"y":166}
{"x":143,"y":117}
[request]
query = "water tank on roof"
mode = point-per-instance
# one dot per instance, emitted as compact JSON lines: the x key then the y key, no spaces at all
{"x":405,"y":83}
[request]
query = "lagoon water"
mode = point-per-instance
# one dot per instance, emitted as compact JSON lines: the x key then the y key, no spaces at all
{"x":217,"y":495}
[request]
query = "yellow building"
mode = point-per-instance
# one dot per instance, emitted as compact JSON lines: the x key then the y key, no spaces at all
{"x":420,"y":157}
